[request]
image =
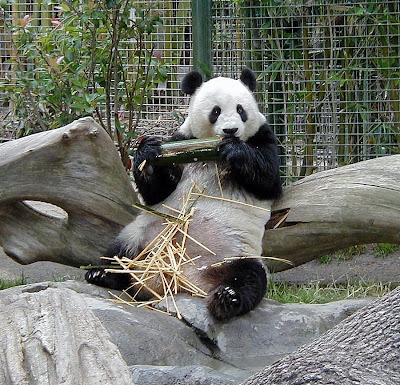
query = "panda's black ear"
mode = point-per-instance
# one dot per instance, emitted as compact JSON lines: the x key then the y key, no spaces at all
{"x":191,"y":82}
{"x":249,"y":79}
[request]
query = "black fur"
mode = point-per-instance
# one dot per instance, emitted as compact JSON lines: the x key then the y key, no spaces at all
{"x":191,"y":82}
{"x":154,"y":182}
{"x":194,"y":80}
{"x":242,"y":112}
{"x":116,"y":248}
{"x":248,"y":78}
{"x":99,"y":277}
{"x":214,"y":114}
{"x":254,"y":165}
{"x":240,"y":286}
{"x":161,"y":181}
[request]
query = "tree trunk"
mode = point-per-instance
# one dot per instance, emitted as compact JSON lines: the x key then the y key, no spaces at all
{"x":362,"y":349}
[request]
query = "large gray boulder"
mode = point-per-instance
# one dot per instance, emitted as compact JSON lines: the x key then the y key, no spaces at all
{"x":48,"y":336}
{"x":72,"y":330}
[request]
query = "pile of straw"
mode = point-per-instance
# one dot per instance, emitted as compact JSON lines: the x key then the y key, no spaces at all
{"x":163,"y":258}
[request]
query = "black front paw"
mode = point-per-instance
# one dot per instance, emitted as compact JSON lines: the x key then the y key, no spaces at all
{"x":146,"y":155}
{"x":224,"y":303}
{"x":234,"y":151}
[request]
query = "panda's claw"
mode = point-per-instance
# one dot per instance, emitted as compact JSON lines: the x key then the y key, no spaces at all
{"x":95,"y":276}
{"x":224,"y":303}
{"x":146,"y":154}
{"x":99,"y":277}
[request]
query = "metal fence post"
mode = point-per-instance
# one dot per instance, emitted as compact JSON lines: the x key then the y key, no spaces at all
{"x":201,"y":31}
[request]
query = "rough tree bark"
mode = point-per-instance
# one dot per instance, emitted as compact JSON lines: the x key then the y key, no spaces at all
{"x":362,"y":349}
{"x":77,"y":168}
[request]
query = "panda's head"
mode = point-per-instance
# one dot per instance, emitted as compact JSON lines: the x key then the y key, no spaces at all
{"x":221,"y":106}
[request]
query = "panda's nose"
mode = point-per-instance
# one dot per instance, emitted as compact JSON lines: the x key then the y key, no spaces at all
{"x":230,"y":131}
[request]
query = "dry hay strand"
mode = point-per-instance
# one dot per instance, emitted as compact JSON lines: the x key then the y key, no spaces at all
{"x":161,"y":261}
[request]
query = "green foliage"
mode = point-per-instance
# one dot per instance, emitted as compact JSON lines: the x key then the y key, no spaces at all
{"x":380,"y":250}
{"x":93,"y":59}
{"x":384,"y":249}
{"x":338,"y":61}
{"x":342,"y":255}
{"x":5,"y":283}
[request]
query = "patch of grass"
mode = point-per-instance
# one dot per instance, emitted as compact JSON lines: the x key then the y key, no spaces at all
{"x":342,"y":255}
{"x":6,"y":284}
{"x":325,"y":259}
{"x":382,"y":250}
{"x":318,"y":293}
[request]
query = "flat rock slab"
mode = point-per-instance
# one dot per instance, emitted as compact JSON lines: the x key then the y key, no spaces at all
{"x":179,"y":375}
{"x":152,"y":342}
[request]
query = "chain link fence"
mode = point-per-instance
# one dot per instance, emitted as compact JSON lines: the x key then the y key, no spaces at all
{"x":328,"y":71}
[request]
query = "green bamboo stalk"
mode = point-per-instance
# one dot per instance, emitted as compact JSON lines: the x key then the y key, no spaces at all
{"x":175,"y":37}
{"x":46,"y":15}
{"x":188,"y":151}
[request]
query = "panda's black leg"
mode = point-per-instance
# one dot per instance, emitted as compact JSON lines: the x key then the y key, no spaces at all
{"x":242,"y":285}
{"x":100,"y":277}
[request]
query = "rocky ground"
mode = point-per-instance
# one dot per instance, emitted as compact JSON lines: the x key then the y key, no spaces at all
{"x":155,"y":348}
{"x":58,"y":321}
{"x":367,"y":265}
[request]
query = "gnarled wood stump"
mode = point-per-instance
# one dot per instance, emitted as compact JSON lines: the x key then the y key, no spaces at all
{"x":77,"y":168}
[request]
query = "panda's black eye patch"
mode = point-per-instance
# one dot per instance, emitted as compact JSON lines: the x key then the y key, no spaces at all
{"x":214,"y":114}
{"x":242,"y":113}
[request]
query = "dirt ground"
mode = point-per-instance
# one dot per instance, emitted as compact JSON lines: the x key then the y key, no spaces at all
{"x":365,"y":266}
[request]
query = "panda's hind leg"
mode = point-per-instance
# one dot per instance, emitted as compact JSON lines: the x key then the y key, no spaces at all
{"x":240,"y":286}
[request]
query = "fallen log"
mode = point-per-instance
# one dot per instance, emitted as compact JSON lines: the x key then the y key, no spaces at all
{"x":77,"y":168}
{"x":335,"y":209}
{"x":362,"y":349}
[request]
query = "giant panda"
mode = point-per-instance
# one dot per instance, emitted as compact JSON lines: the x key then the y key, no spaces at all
{"x":248,"y":171}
